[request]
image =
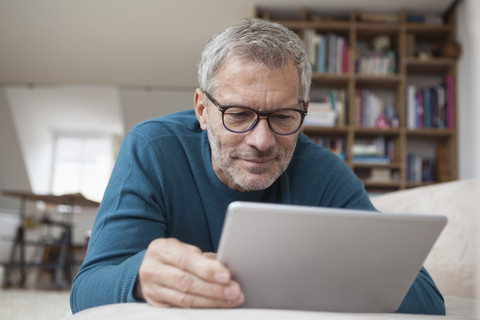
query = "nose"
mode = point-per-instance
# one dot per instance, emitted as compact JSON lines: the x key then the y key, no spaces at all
{"x":261,"y":137}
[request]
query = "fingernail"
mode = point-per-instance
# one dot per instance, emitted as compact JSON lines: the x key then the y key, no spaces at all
{"x":221,"y":277}
{"x":238,"y":301}
{"x":231,"y":291}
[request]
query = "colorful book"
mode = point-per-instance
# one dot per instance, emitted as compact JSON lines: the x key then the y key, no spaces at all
{"x":450,"y":105}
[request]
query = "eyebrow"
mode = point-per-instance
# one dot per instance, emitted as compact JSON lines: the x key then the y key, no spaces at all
{"x":300,"y":103}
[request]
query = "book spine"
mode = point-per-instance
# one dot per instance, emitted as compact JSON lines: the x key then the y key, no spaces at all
{"x":411,"y":106}
{"x":321,"y":54}
{"x":427,"y":117}
{"x":331,"y":52}
{"x":419,"y":108}
{"x":441,"y":107}
{"x":450,"y":102}
{"x":346,"y":51}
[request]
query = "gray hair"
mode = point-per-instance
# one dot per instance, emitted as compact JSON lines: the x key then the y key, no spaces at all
{"x":258,"y":41}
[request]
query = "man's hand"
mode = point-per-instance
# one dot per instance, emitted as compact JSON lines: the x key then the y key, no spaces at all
{"x":175,"y":274}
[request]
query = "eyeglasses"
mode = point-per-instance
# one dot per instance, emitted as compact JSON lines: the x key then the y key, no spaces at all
{"x":239,"y":119}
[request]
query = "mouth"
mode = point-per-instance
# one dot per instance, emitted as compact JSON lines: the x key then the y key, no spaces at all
{"x":259,"y":162}
{"x":255,"y":160}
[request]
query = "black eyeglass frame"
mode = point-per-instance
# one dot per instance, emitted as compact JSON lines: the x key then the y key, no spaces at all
{"x":259,"y":114}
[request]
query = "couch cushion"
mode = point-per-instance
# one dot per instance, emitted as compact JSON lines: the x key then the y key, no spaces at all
{"x":451,"y":263}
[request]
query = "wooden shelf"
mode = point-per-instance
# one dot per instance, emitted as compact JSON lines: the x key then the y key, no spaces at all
{"x":407,"y":40}
{"x":384,"y":81}
{"x":365,"y":29}
{"x":430,"y":65}
{"x":330,"y":79}
{"x":365,"y":131}
{"x":437,"y":133}
{"x":338,"y":26}
{"x":293,"y":25}
{"x":379,"y":184}
{"x":429,"y":29}
{"x":391,"y":165}
{"x":317,"y":130}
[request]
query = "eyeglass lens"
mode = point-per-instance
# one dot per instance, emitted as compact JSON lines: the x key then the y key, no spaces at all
{"x":241,"y":119}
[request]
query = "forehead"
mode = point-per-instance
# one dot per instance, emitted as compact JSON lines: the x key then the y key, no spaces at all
{"x":258,"y":82}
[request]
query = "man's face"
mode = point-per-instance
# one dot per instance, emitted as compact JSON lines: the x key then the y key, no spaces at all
{"x":255,"y":159}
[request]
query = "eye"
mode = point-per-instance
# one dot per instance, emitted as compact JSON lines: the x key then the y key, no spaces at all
{"x":239,"y":114}
{"x":283,"y":116}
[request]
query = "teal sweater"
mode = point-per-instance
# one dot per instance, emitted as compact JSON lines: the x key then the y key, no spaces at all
{"x":163,"y":185}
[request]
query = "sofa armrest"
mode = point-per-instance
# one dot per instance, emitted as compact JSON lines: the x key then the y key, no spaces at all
{"x":452,"y":260}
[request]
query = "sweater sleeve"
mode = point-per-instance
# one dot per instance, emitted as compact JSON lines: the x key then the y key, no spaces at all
{"x":129,"y":218}
{"x":423,"y":297}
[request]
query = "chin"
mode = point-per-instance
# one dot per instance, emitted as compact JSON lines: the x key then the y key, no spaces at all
{"x":255,"y":184}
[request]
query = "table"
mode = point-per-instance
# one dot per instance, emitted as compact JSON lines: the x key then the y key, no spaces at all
{"x":457,"y":308}
{"x":62,"y":265}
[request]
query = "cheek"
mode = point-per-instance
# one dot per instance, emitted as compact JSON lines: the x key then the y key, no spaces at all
{"x":286,"y":143}
{"x":229,"y":140}
{"x":224,"y":139}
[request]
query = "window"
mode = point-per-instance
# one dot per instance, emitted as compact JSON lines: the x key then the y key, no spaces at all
{"x":82,"y":164}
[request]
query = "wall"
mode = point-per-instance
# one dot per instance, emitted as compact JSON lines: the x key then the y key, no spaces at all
{"x":13,"y":174}
{"x":40,"y":112}
{"x":468,"y":89}
{"x":138,"y":105}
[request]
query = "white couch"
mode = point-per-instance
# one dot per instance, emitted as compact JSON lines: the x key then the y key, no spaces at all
{"x":453,"y":259}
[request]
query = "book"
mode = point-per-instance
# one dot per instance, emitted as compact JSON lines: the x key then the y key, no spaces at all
{"x":336,"y":145}
{"x":420,"y":169}
{"x":427,"y":117}
{"x":378,"y":150}
{"x":413,"y":168}
{"x":380,"y":175}
{"x":320,"y":114}
{"x":329,"y":110}
{"x":419,"y":108}
{"x":372,"y":111}
{"x":430,"y":107}
{"x":450,"y":105}
{"x":411,"y":110}
{"x":327,"y":52}
{"x":376,"y":62}
{"x":340,"y":105}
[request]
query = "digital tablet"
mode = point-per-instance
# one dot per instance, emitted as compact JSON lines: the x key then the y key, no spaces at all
{"x":326,"y":259}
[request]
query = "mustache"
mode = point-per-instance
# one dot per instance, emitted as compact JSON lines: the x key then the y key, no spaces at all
{"x":254,"y":153}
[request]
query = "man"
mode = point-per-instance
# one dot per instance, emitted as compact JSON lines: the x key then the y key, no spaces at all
{"x":162,"y":214}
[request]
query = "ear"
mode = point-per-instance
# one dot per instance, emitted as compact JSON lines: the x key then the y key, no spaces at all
{"x":200,"y":108}
{"x":306,"y":103}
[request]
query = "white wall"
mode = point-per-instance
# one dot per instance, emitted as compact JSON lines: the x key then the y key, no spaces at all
{"x":468,"y":89}
{"x":138,"y":105}
{"x":41,"y":112}
{"x":13,"y":173}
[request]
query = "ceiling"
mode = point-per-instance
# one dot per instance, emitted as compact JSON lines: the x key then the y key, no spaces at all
{"x":144,"y":43}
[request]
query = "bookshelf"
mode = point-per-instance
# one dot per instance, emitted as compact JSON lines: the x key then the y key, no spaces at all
{"x":390,"y":82}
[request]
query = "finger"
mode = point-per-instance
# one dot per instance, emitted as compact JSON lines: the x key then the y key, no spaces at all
{"x":190,"y":259}
{"x":175,"y":298}
{"x":210,"y":255}
{"x":155,"y":274}
{"x":186,"y":282}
